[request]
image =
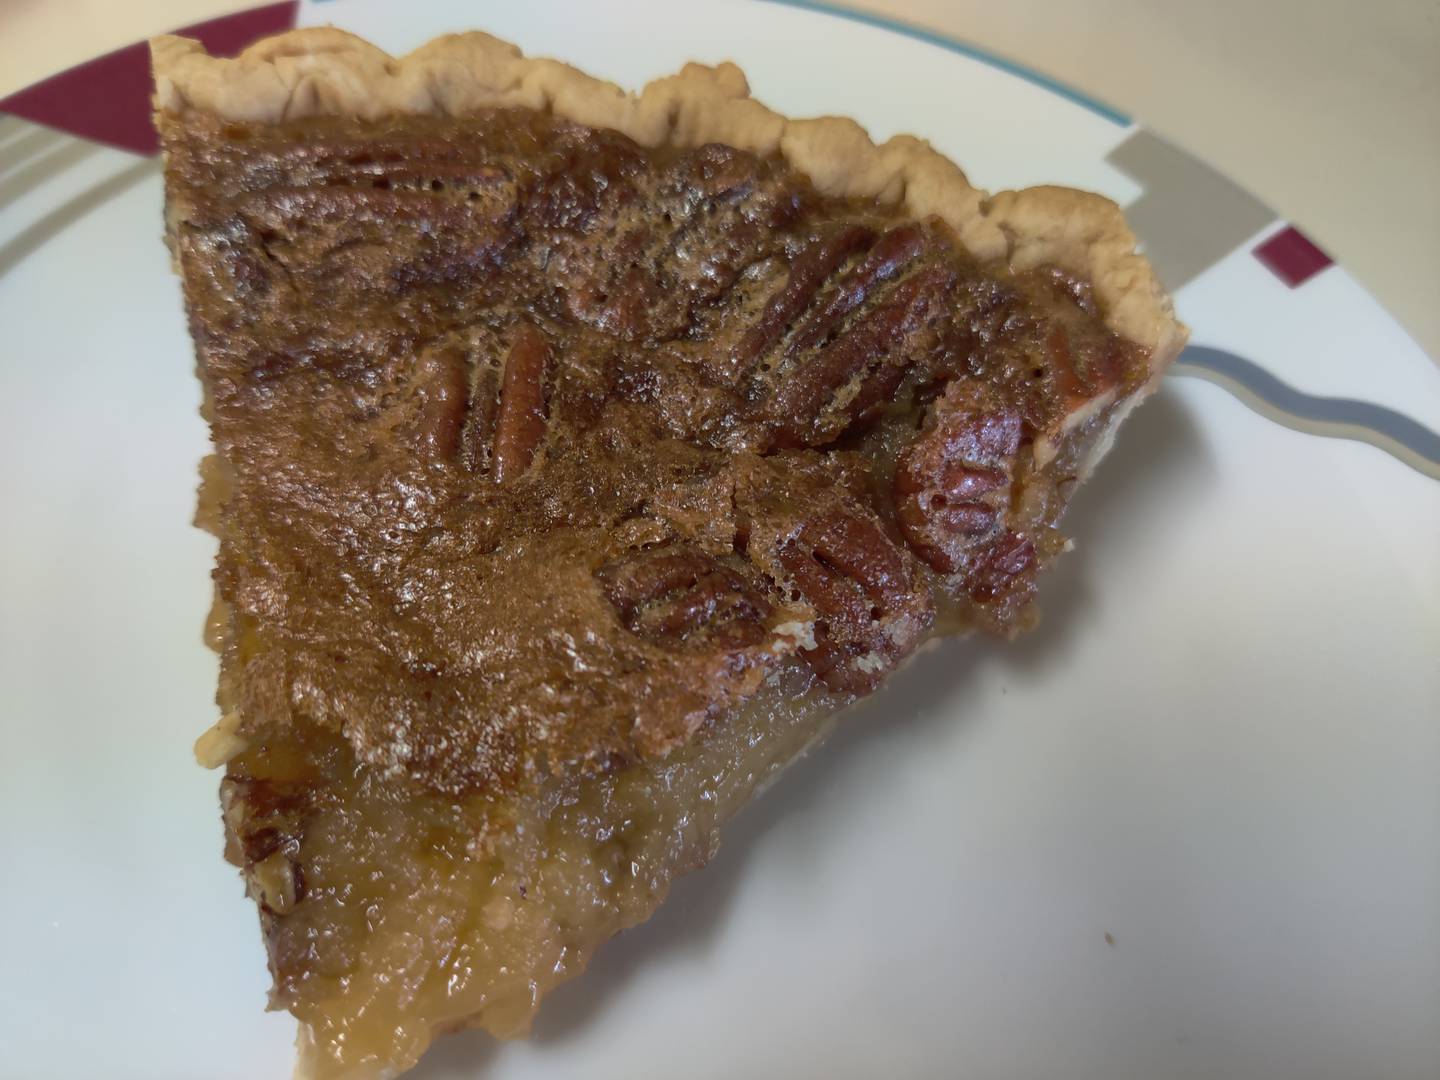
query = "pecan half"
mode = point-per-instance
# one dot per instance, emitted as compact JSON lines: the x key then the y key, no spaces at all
{"x":895,"y":250}
{"x":871,"y":609}
{"x":952,"y":484}
{"x":520,"y":412}
{"x":680,"y":596}
{"x":819,"y":397}
{"x":812,"y":267}
{"x":954,"y":487}
{"x":461,"y":404}
{"x":822,"y":546}
{"x":439,"y":397}
{"x":1002,"y":568}
{"x":508,"y":404}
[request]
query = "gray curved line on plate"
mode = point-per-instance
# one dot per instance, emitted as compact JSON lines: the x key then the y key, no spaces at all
{"x":19,"y":151}
{"x":31,"y":176}
{"x":58,"y":220}
{"x":1398,"y":435}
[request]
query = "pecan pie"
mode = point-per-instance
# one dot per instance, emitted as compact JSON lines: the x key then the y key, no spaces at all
{"x":577,"y":455}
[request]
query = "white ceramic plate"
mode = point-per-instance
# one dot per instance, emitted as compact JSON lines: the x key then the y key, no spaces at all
{"x":1189,"y":828}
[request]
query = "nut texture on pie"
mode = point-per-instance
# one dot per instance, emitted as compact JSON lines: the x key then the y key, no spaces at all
{"x":577,"y":455}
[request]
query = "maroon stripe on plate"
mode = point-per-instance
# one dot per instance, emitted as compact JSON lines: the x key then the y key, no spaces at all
{"x":107,"y":99}
{"x":1292,"y":257}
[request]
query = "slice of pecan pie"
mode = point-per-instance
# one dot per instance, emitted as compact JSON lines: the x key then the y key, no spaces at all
{"x":577,"y":455}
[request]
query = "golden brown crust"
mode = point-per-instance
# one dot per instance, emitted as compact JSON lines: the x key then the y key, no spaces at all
{"x":324,"y":71}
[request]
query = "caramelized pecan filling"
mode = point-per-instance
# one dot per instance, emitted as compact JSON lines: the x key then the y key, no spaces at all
{"x":470,"y":376}
{"x":557,"y":479}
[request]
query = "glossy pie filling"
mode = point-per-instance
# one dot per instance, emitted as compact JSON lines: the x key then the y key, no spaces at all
{"x":394,"y":914}
{"x":563,"y":489}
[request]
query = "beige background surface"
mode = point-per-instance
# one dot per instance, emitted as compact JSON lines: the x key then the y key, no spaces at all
{"x":1329,"y":110}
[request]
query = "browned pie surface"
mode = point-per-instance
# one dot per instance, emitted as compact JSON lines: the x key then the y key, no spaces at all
{"x":538,"y":451}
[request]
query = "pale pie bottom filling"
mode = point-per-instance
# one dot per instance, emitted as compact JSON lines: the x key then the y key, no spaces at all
{"x":420,"y":914}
